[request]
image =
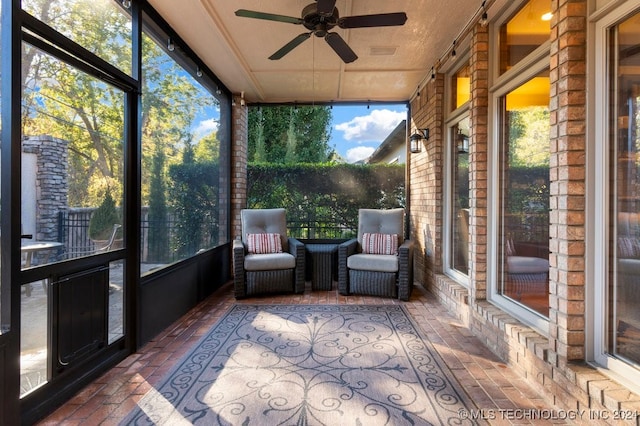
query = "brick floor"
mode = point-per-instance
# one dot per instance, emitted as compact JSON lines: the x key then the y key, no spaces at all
{"x":491,"y":384}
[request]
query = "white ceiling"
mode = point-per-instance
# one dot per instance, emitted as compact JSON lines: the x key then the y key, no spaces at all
{"x":237,"y":48}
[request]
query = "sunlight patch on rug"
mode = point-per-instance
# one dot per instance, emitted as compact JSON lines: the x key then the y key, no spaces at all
{"x":308,"y":365}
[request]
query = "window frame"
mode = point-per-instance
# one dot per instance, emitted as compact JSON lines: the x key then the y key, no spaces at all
{"x":459,"y":114}
{"x":598,"y":213}
{"x":453,"y":116}
{"x":500,"y":85}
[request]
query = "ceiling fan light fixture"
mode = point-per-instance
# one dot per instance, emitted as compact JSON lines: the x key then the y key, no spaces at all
{"x":319,"y":18}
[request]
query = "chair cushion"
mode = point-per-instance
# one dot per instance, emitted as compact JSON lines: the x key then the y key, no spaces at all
{"x":376,"y":221}
{"x":269,"y":262}
{"x":379,"y":243}
{"x":264,"y":243}
{"x":527,"y":265}
{"x":373,"y":262}
{"x":263,"y":221}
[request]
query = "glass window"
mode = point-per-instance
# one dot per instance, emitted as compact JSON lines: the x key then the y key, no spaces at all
{"x":101,"y":26}
{"x":460,"y":198}
{"x":461,"y":87}
{"x":528,"y":29}
{"x":623,"y":291}
{"x":182,"y":136}
{"x":72,"y":161}
{"x":524,"y":194}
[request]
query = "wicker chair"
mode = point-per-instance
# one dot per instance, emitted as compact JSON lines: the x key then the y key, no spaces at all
{"x":274,"y":272}
{"x":387,"y":275}
{"x":526,"y":275}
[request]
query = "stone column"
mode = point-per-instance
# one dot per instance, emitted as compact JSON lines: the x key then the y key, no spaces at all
{"x":51,"y":183}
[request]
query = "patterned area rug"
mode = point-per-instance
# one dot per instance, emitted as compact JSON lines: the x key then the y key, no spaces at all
{"x":308,"y":365}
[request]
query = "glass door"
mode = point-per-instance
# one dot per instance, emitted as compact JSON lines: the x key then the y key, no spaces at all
{"x":72,"y":282}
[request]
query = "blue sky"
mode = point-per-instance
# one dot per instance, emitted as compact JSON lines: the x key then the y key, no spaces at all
{"x":356,"y":131}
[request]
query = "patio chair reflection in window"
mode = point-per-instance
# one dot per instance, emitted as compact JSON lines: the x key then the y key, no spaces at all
{"x":526,"y":275}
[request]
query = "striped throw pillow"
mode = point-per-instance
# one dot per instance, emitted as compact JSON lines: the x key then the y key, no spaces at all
{"x":264,"y":243}
{"x":379,"y":243}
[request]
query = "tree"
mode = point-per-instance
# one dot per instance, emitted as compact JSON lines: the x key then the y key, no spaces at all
{"x":288,"y":134}
{"x":67,"y":103}
{"x":64,"y":102}
{"x":529,"y":137}
{"x":158,"y":212}
{"x":103,"y":219}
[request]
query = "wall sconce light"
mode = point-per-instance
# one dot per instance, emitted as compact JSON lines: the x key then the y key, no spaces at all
{"x":484,"y":19}
{"x":415,"y":140}
{"x":463,"y":143}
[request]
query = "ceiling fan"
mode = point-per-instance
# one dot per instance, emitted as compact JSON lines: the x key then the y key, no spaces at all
{"x":319,"y":18}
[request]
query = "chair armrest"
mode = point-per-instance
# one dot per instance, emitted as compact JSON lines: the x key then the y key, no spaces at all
{"x":345,"y":250}
{"x":238,"y":248}
{"x":348,"y":248}
{"x":405,"y":270}
{"x":406,"y":246}
{"x":296,"y":248}
{"x":238,"y":269}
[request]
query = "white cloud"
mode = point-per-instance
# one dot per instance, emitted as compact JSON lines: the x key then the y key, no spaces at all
{"x":359,"y":153}
{"x":205,"y":127}
{"x":374,"y":127}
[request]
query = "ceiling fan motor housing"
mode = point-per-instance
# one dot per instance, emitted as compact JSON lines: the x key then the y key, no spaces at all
{"x":318,"y":23}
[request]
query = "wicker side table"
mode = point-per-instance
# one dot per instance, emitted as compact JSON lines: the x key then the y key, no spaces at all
{"x":320,"y":260}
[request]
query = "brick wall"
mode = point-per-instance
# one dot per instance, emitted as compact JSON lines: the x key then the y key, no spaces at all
{"x":478,"y":163}
{"x":554,"y":362}
{"x":239,"y":141}
{"x":568,"y":152}
{"x":425,"y":181}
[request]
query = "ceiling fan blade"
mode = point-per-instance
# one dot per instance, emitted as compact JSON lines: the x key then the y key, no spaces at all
{"x":290,"y":46}
{"x":268,"y":16}
{"x":341,"y":47}
{"x":379,"y":20}
{"x":325,"y":7}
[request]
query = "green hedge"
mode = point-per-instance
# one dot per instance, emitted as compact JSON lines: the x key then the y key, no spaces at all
{"x":322,"y":200}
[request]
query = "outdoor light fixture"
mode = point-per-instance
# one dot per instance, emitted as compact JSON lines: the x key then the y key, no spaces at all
{"x":484,"y":20}
{"x":415,"y":140}
{"x":463,"y":143}
{"x":170,"y":46}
